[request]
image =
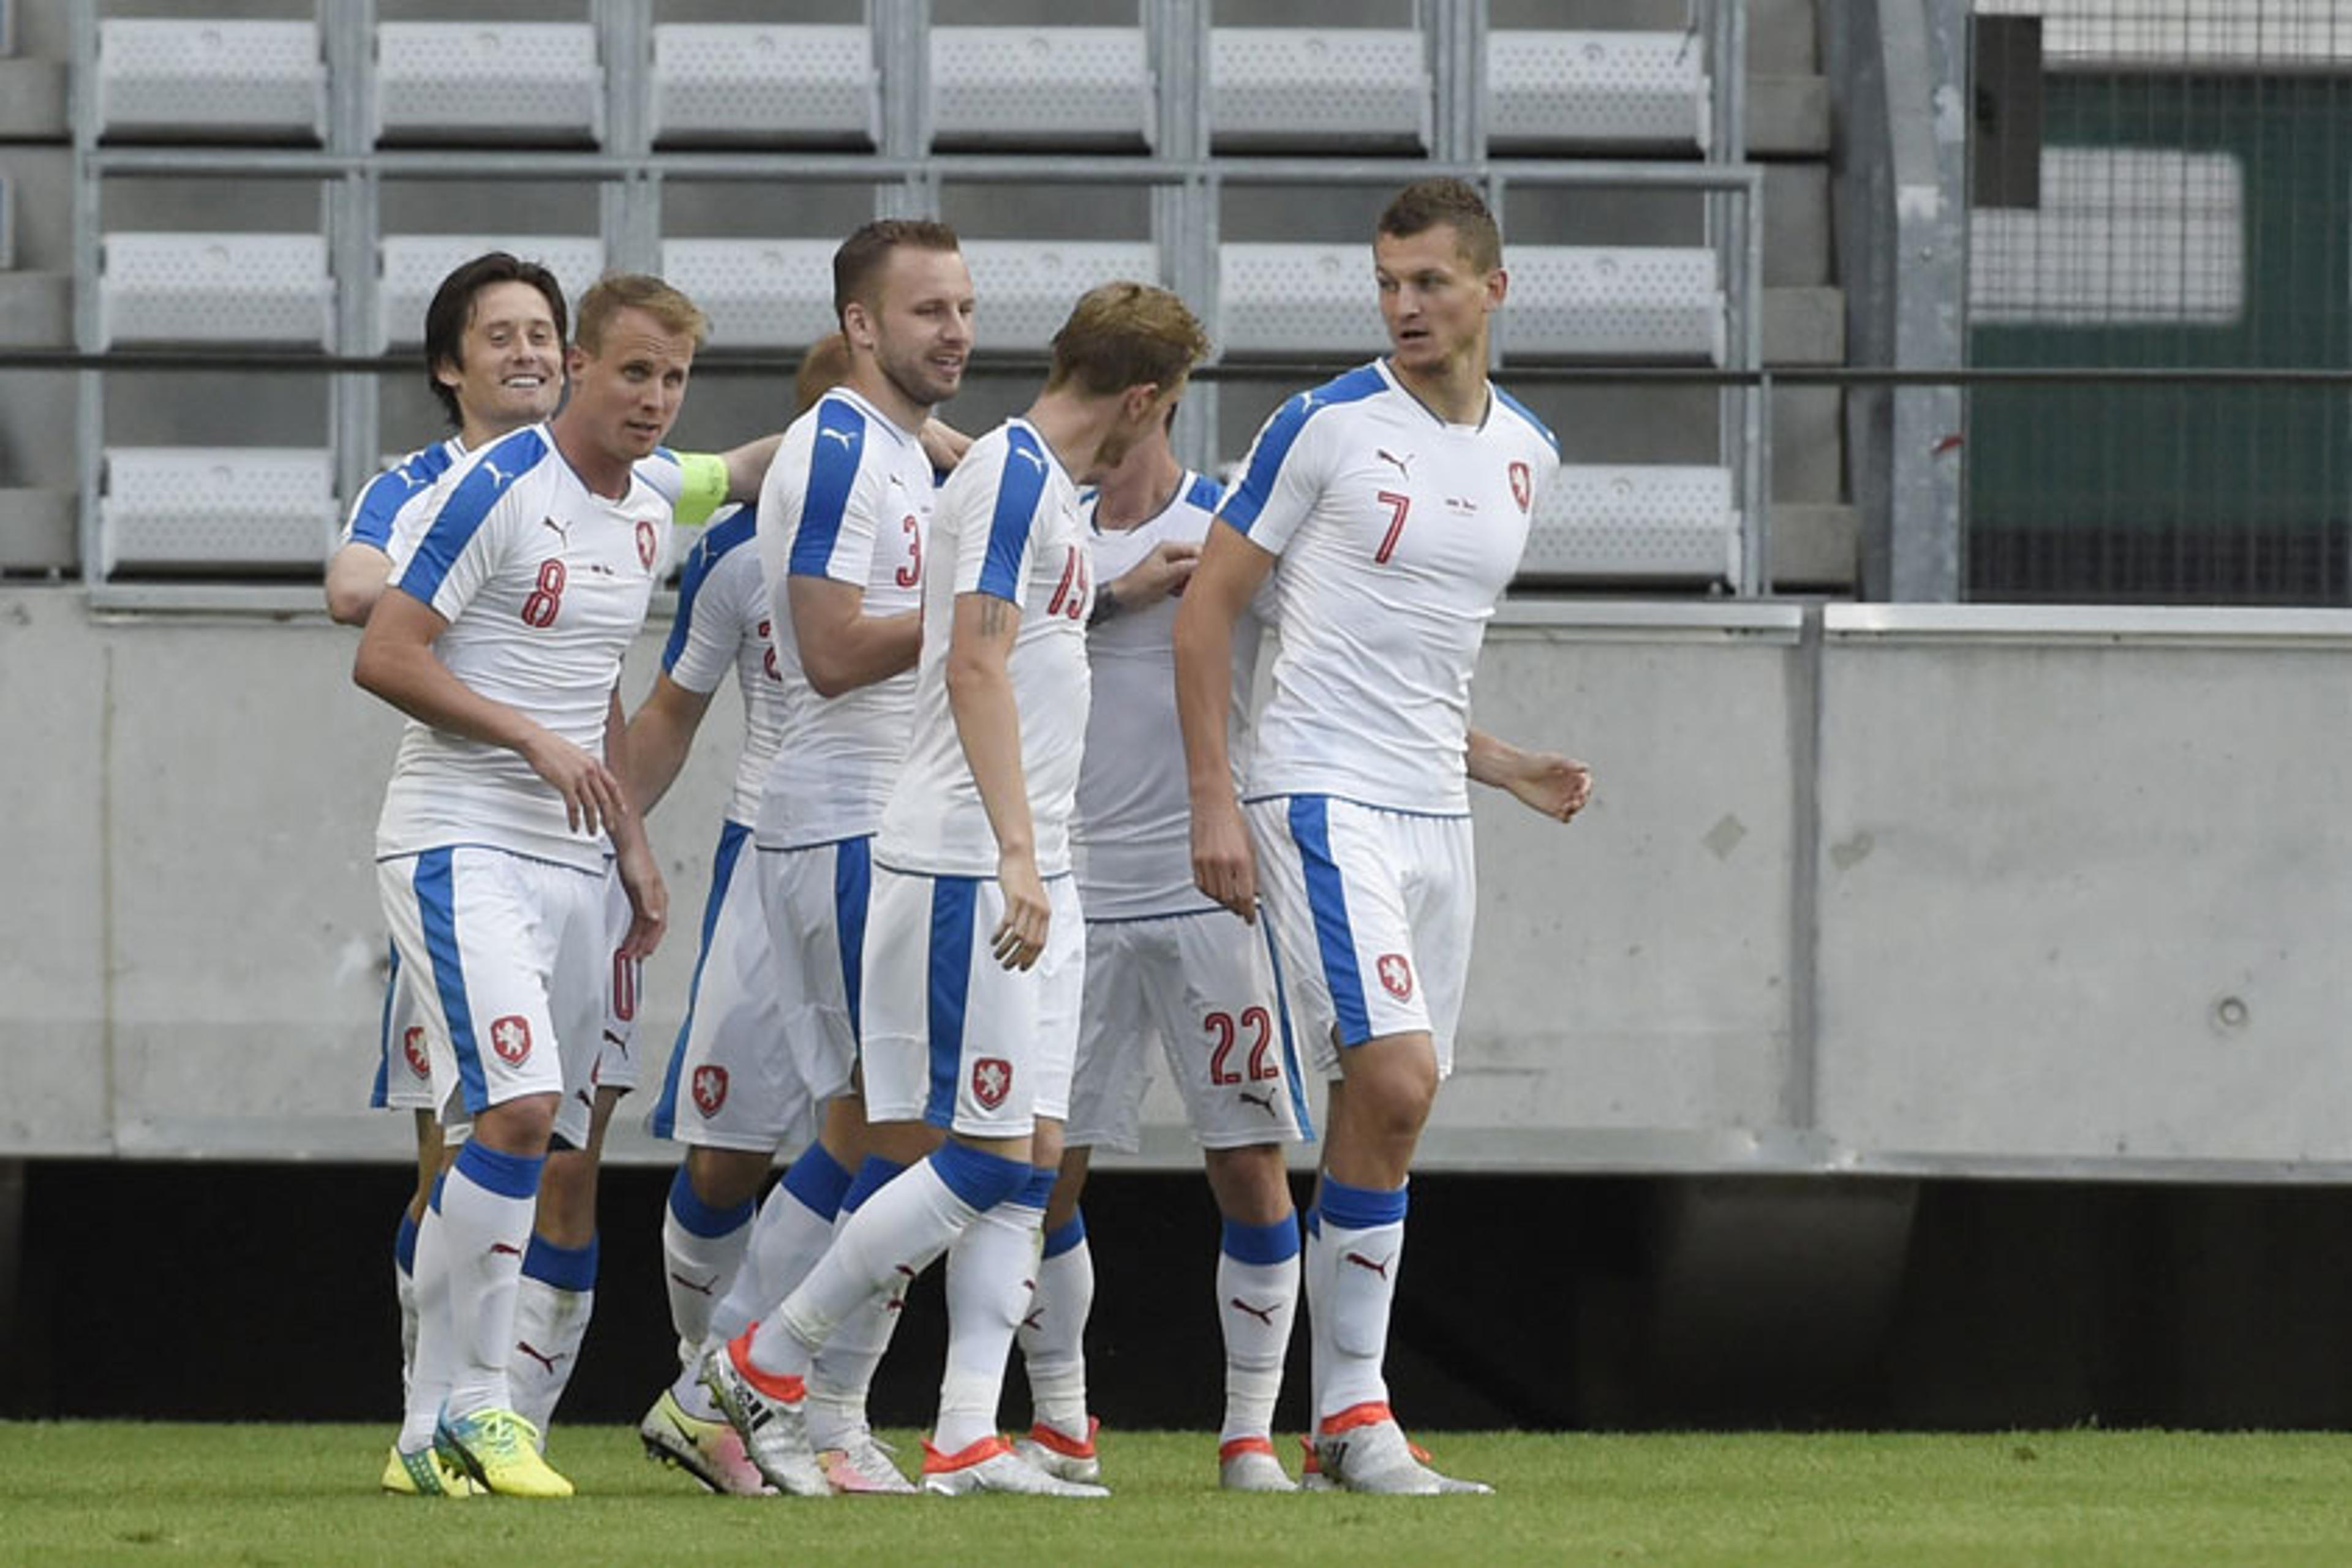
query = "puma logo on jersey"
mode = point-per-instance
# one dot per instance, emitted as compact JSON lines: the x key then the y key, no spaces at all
{"x":1035,"y":460}
{"x":844,"y":436}
{"x":1360,"y":1261}
{"x":1263,"y":1101}
{"x":500,"y":477}
{"x":1404,"y":464}
{"x":563,"y":530}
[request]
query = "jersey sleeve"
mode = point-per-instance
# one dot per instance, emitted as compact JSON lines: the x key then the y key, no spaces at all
{"x":710,"y":593}
{"x":1280,"y":479}
{"x":993,"y":547}
{"x":373,"y":521}
{"x":831,"y":528}
{"x":464,"y":537}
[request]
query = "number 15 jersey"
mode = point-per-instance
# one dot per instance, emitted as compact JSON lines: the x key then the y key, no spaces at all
{"x":1395,"y":533}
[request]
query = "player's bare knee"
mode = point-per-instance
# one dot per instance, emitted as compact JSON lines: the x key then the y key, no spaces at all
{"x":902,"y":1143}
{"x":1251,"y":1185}
{"x":523,"y":1125}
{"x":722,"y":1178}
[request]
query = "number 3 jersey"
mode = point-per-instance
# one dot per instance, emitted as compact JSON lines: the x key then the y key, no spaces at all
{"x":849,"y":499}
{"x":1007,"y":526}
{"x":1396,"y":534}
{"x":543,"y":584}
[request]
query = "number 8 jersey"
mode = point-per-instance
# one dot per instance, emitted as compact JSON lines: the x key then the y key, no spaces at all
{"x":1395,"y":533}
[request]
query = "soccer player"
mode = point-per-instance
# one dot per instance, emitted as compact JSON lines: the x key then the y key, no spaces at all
{"x":973,"y":951}
{"x":1165,"y":963}
{"x":502,"y":640}
{"x":1389,"y":505}
{"x":494,"y":335}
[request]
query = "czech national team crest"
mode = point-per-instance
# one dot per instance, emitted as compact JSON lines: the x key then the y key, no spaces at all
{"x":991,"y":1081}
{"x":710,"y":1088}
{"x":1522,"y":485}
{"x":648,"y":541}
{"x":511,"y":1038}
{"x":412,"y":1046}
{"x":1396,"y":971}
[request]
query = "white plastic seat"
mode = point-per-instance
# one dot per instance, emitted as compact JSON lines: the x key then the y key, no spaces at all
{"x":488,"y":81}
{"x":1616,"y":90}
{"x":1026,"y":286}
{"x":1041,"y":86}
{"x":1648,"y":303}
{"x":1645,"y":522}
{"x":415,"y":264}
{"x":215,"y":287}
{"x":1311,"y":89}
{"x":759,"y":293}
{"x":213,"y":81}
{"x":755,"y":85}
{"x":217,"y":506}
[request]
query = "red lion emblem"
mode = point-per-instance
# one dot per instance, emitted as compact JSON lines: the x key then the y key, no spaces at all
{"x":511,"y":1038}
{"x":1522,"y":485}
{"x":710,"y":1088}
{"x":991,"y":1081}
{"x":1396,"y":975}
{"x":412,"y":1046}
{"x":647,"y":542}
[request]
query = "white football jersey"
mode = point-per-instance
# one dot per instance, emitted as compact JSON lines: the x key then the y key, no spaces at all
{"x":391,"y":503}
{"x":849,"y":497}
{"x":722,"y":625}
{"x":543,"y":585}
{"x":1396,"y":534}
{"x":1007,"y":526}
{"x":1132,"y":840}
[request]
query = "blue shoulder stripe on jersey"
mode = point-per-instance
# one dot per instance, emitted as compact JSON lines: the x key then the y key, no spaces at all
{"x":1248,"y":499}
{"x":1019,"y":489}
{"x":708,"y":553}
{"x":1524,"y":412}
{"x":833,"y":458}
{"x":391,"y":490}
{"x":1202,"y":492}
{"x":461,"y":514}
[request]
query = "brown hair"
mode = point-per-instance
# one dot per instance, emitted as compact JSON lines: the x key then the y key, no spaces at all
{"x":860,"y":260}
{"x":1126,"y":334}
{"x":1426,"y":203}
{"x":823,"y":368}
{"x":619,"y":291}
{"x":452,"y":311}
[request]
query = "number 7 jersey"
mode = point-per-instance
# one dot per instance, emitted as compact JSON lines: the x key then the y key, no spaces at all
{"x":1395,"y":533}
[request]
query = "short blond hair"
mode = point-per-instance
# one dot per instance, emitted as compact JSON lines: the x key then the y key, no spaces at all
{"x":823,"y":368}
{"x":1126,"y":334}
{"x":619,"y":291}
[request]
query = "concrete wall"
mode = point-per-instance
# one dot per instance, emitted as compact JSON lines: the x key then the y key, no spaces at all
{"x":1862,"y":889}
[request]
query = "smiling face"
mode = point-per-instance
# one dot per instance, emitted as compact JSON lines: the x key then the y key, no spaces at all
{"x":1435,"y":300}
{"x":626,"y":391}
{"x":915,"y":334}
{"x":509,"y":370}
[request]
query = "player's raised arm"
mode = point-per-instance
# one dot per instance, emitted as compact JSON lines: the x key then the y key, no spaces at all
{"x":1226,"y":576}
{"x":1545,"y":782}
{"x":988,"y":725}
{"x":747,"y":467}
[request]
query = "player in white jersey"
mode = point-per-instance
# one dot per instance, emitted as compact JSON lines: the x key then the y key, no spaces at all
{"x":972,"y":954}
{"x":493,"y":350}
{"x":503,"y":642}
{"x":1164,"y":964}
{"x":733,"y":1094}
{"x":1389,"y":505}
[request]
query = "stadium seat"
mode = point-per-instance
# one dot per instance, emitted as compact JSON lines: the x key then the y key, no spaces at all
{"x":759,"y":293}
{"x":1620,"y":91}
{"x":216,"y":507}
{"x":1302,"y":89}
{"x":488,"y":81}
{"x":1656,"y":304}
{"x":1040,"y":88}
{"x":210,"y":80}
{"x":1026,"y":286}
{"x":1641,"y":523}
{"x":730,"y":85}
{"x":415,"y":264}
{"x":215,"y":287}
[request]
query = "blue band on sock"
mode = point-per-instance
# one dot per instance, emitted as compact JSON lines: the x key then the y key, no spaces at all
{"x":1063,"y":1238}
{"x":873,"y":1175}
{"x":984,"y":1181}
{"x":1038,"y":1188}
{"x":818,"y":1181}
{"x":433,"y":1201}
{"x":1276,"y":1243}
{"x":508,"y":1175}
{"x":404,"y":1244}
{"x":1360,"y":1208}
{"x":698,"y":1218}
{"x":564,"y":1268}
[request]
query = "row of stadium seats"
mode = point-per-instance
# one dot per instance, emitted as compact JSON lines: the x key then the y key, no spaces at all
{"x":737,"y":85}
{"x":1657,"y":304}
{"x":274,"y":508}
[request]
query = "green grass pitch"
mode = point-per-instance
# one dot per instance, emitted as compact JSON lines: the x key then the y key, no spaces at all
{"x":123,"y":1493}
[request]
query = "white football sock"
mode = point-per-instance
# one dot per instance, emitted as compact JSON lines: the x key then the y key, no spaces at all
{"x":1257,"y":1298}
{"x":1053,"y":1333}
{"x":554,"y":1301}
{"x":1363,"y":1238}
{"x":991,"y":1272}
{"x":487,"y":1203}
